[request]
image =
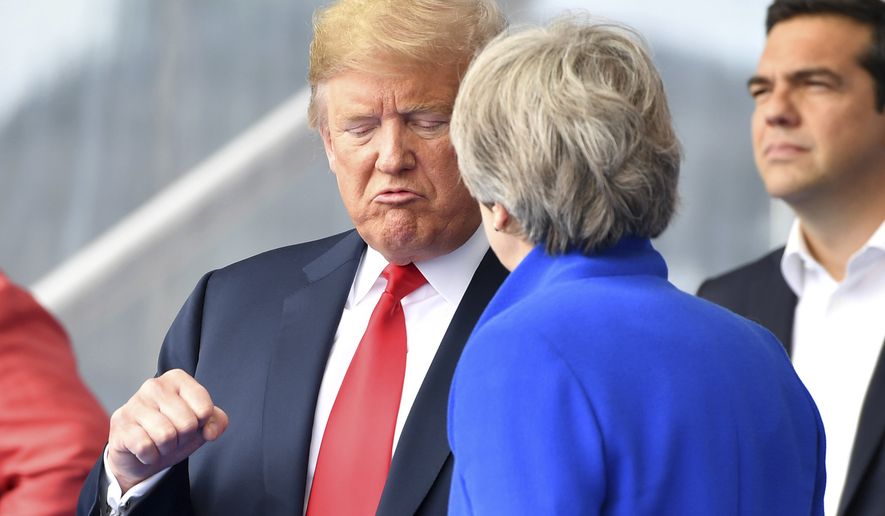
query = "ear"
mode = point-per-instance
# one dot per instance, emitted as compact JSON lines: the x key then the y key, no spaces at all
{"x":501,"y":218}
{"x":328,"y":145}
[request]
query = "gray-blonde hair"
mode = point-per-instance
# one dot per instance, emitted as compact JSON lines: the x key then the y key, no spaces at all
{"x":567,"y":126}
{"x":374,"y":35}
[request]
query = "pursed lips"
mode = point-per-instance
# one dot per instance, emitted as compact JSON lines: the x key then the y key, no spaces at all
{"x":397,"y":196}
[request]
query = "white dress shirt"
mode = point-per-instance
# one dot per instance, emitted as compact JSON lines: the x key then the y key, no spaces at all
{"x":838,"y":333}
{"x":428,"y":312}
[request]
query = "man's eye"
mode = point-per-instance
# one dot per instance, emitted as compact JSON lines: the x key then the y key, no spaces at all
{"x":823,"y":85}
{"x":429,"y":125}
{"x":756,"y":92}
{"x":362,"y":130}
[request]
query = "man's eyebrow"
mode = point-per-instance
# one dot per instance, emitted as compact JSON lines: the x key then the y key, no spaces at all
{"x":355,"y":116}
{"x":815,"y":73}
{"x":799,"y":76}
{"x":442,"y":108}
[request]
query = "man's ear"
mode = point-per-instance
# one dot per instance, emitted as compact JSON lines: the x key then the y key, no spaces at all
{"x":328,"y":145}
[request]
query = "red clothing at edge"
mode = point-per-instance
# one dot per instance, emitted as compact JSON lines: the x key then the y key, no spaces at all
{"x":52,"y":429}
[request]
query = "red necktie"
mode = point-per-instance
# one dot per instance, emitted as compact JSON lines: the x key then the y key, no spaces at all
{"x":358,"y":441}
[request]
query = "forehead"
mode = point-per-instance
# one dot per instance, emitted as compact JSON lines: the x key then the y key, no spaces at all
{"x":808,"y":41}
{"x":390,"y":91}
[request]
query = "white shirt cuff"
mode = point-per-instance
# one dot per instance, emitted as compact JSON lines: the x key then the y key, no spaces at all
{"x":118,"y":501}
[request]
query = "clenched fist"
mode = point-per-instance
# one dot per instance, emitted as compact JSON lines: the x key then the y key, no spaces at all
{"x":168,"y":419}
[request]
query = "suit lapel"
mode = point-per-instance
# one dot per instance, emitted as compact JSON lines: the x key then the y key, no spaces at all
{"x":775,"y":305}
{"x":869,"y":436}
{"x":309,"y":319}
{"x":423,"y":447}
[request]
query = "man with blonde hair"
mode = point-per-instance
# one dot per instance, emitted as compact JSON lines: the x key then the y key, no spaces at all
{"x":331,"y":360}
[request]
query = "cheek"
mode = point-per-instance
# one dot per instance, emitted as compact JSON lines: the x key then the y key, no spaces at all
{"x":445,"y":176}
{"x":352,"y":177}
{"x":757,"y":125}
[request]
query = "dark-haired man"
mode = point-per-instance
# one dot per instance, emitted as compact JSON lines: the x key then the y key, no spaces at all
{"x":819,"y":144}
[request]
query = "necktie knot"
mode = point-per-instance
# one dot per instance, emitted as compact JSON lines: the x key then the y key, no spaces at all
{"x":402,"y":280}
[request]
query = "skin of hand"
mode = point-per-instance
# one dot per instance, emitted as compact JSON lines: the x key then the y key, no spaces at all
{"x":163,"y":423}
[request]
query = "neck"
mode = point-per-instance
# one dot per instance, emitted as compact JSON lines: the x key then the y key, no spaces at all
{"x":521,"y":249}
{"x":834,"y":235}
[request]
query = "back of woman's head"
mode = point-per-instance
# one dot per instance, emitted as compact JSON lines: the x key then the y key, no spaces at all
{"x":567,"y":126}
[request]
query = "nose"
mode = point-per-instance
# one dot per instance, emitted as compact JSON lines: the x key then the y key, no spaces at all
{"x":779,"y":110}
{"x":395,"y":153}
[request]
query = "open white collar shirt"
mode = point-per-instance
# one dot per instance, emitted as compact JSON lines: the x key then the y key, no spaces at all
{"x":838,"y":331}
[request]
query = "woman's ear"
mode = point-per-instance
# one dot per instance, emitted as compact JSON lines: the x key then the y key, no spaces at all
{"x":501,"y":219}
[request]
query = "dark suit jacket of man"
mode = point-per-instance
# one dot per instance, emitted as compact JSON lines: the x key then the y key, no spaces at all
{"x":759,"y":292}
{"x":257,"y":335}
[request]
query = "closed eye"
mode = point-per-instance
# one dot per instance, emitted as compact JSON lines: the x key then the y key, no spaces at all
{"x":360,"y":131}
{"x":757,"y":91}
{"x":758,"y":86}
{"x":429,"y":124}
{"x":429,"y":127}
{"x":817,"y":84}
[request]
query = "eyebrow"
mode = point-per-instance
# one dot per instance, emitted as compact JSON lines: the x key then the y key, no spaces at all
{"x":432,"y":107}
{"x":798,"y":76}
{"x":443,"y":108}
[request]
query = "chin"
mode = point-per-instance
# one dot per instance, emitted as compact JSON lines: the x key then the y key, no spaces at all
{"x":399,"y":243}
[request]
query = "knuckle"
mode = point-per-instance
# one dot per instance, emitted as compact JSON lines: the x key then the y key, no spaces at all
{"x":166,"y":436}
{"x":141,"y":447}
{"x":204,"y":410}
{"x":189,"y":427}
{"x":118,"y":417}
{"x":151,"y":387}
{"x":139,"y":444}
{"x":176,"y":375}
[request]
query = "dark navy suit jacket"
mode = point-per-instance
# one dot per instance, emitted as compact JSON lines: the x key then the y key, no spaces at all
{"x":759,"y":292}
{"x":257,"y":335}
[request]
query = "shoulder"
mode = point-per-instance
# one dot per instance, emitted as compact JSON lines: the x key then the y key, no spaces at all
{"x":286,"y":266}
{"x":747,"y":280}
{"x":764,"y":266}
{"x":292,"y":256}
{"x":263,"y":280}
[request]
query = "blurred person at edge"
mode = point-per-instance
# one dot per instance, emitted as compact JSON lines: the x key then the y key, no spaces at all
{"x":819,"y":144}
{"x":51,"y":427}
{"x":591,"y":385}
{"x":284,"y":345}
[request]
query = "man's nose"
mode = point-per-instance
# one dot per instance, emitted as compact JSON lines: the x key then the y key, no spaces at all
{"x":780,"y":109}
{"x":395,"y":153}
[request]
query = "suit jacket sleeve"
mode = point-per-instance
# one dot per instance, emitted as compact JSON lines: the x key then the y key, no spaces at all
{"x":51,"y":427}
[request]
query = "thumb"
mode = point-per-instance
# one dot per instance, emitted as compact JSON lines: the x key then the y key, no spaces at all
{"x":216,"y":425}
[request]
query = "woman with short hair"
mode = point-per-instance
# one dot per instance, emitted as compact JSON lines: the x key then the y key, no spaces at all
{"x":591,"y":385}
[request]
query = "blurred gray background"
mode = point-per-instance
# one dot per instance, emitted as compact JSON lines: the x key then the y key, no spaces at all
{"x":183,"y":120}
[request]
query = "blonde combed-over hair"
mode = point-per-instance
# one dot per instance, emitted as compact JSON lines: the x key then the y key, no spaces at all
{"x":378,"y":36}
{"x":567,"y":126}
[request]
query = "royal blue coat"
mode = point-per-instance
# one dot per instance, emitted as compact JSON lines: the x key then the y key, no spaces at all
{"x":591,"y":385}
